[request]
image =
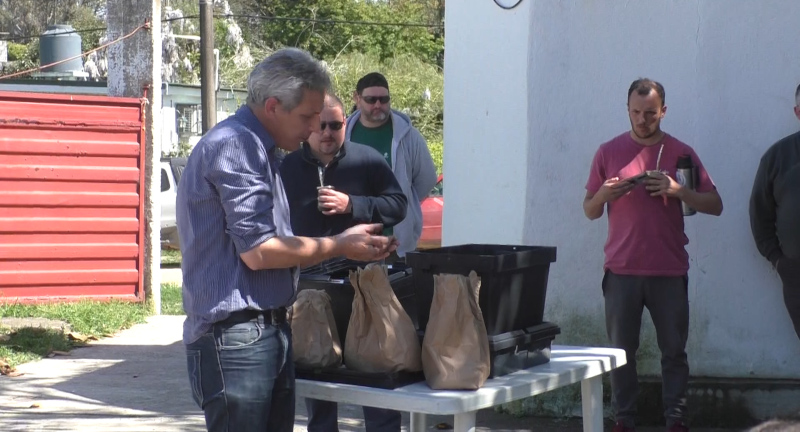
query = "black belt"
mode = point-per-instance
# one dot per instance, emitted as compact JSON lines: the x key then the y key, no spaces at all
{"x":269,"y":316}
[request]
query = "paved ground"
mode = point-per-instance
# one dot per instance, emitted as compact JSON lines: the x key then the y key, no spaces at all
{"x":136,"y":381}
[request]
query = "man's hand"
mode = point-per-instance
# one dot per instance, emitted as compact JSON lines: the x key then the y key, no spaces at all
{"x":660,"y":184}
{"x":361,"y":243}
{"x":612,"y":189}
{"x":334,"y":202}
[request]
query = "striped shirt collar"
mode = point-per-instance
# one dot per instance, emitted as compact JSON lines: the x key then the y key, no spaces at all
{"x":248,"y":118}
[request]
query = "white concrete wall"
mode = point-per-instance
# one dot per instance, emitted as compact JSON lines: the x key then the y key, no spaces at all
{"x":485,"y":116}
{"x":531,"y":93}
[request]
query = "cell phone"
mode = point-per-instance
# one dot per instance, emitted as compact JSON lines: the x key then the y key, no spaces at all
{"x":637,"y":179}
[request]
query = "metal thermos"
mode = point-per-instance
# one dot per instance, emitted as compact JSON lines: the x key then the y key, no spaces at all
{"x":686,"y":174}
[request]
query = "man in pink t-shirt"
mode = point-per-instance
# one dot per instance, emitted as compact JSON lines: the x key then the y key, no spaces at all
{"x":646,"y":263}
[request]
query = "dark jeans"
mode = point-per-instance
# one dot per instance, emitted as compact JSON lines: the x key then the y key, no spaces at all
{"x":242,"y":376}
{"x":789,"y":271}
{"x":323,"y":417}
{"x":668,"y":302}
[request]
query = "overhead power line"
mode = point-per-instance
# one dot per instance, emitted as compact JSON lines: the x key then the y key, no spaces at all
{"x":259,"y":17}
{"x":88,"y":30}
{"x":105,"y":45}
{"x":331,"y":21}
{"x":17,"y":38}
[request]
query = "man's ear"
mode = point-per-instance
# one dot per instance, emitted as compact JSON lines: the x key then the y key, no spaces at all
{"x":663,"y":111}
{"x":271,"y":105}
{"x":355,"y":97}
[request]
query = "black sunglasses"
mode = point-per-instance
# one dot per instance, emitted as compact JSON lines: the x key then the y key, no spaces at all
{"x":372,"y":99}
{"x":334,"y":125}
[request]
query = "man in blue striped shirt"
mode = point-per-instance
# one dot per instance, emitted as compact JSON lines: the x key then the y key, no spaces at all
{"x":240,"y":257}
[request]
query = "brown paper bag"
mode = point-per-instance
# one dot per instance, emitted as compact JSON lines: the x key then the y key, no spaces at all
{"x":380,"y":336}
{"x":315,"y":340}
{"x":455,"y":350}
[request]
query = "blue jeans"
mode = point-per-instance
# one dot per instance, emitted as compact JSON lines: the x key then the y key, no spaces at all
{"x":242,"y":376}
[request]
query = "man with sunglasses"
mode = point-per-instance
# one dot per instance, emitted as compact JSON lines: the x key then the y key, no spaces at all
{"x":364,"y":191}
{"x":390,"y":132}
{"x":364,"y":187}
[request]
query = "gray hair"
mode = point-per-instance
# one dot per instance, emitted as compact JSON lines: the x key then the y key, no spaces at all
{"x":285,"y":75}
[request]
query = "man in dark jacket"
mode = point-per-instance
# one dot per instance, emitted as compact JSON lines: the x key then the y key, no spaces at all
{"x":775,"y":214}
{"x":363,"y":185}
{"x":364,"y":190}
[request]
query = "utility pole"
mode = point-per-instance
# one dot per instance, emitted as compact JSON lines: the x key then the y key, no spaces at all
{"x":133,"y":66}
{"x":208,"y":94}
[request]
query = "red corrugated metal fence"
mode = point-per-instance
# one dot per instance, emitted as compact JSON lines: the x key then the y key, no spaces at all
{"x":71,"y":197}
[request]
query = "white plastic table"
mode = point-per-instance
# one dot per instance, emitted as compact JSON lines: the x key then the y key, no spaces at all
{"x":567,"y":365}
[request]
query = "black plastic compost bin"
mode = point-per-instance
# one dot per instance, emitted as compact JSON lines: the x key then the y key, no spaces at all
{"x":513,"y":281}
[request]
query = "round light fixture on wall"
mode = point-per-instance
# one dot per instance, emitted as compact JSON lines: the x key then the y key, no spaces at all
{"x":508,"y":4}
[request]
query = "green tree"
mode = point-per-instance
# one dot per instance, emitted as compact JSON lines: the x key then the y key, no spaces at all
{"x":17,"y":52}
{"x":26,"y":20}
{"x":31,"y":17}
{"x":327,"y":40}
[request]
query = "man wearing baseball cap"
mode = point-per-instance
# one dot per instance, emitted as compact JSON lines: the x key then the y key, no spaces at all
{"x":389,"y":131}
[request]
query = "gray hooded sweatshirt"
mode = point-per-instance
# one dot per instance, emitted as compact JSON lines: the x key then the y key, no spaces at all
{"x":413,"y":167}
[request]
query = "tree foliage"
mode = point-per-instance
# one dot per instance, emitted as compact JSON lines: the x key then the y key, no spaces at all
{"x":409,"y":57}
{"x":340,"y":32}
{"x":30,"y":18}
{"x":348,"y":33}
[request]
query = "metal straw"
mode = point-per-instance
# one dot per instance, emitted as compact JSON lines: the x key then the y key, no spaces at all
{"x":658,"y":168}
{"x":658,"y":160}
{"x":321,"y":172}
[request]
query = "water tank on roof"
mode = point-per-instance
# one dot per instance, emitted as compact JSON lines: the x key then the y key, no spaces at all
{"x":57,"y":43}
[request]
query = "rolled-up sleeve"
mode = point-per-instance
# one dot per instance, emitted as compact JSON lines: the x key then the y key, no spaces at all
{"x":597,"y":175}
{"x":242,"y":176}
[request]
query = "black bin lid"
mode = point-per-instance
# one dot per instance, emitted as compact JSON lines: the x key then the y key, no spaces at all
{"x":482,"y":257}
{"x":341,"y":266}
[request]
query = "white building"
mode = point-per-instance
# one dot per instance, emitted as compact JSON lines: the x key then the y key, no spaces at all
{"x":530,"y":94}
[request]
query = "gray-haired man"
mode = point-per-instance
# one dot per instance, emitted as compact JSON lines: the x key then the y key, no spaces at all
{"x":240,"y":256}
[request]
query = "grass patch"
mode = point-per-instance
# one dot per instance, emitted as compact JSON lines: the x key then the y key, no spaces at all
{"x":89,"y":318}
{"x":170,"y":256}
{"x":31,"y":344}
{"x":171,"y":300}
